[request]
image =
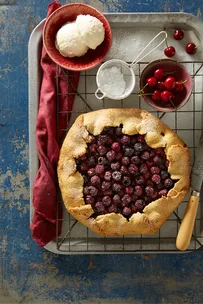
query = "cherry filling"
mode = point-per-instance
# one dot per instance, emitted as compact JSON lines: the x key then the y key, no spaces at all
{"x":122,"y":174}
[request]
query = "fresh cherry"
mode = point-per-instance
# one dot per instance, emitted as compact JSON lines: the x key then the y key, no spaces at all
{"x":191,"y":48}
{"x":178,"y":35}
{"x":167,"y":95}
{"x":156,"y":95}
{"x":151,"y":81}
{"x":170,"y":83}
{"x":159,"y":74}
{"x":179,"y":87}
{"x":170,"y":51}
{"x":160,"y":85}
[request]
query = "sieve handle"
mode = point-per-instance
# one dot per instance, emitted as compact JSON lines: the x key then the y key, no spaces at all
{"x":99,"y":91}
{"x":137,"y":58}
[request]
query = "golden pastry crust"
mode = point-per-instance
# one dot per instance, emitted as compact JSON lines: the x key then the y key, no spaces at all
{"x":157,"y":135}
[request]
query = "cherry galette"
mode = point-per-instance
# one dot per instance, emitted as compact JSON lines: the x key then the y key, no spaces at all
{"x":122,"y":171}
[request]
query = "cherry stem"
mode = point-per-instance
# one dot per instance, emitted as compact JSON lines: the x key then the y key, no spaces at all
{"x":198,"y":45}
{"x":166,"y":42}
{"x":147,"y":94}
{"x":172,"y":104}
{"x":170,"y":73}
{"x":184,"y":81}
{"x":142,"y":90}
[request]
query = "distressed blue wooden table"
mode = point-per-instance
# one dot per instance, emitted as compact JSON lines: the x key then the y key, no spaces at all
{"x":29,"y":274}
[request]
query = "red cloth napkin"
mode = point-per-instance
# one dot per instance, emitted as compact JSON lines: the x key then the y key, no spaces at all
{"x":43,"y":225}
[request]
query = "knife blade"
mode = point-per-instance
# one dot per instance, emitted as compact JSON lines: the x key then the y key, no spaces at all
{"x":197,"y":169}
{"x":201,"y":211}
{"x":187,"y":224}
{"x":197,"y":176}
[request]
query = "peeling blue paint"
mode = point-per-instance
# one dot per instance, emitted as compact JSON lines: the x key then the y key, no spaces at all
{"x":7,"y":2}
{"x":29,"y":274}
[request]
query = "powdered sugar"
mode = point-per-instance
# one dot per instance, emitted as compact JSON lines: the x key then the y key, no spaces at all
{"x":112,"y":81}
{"x":129,"y":41}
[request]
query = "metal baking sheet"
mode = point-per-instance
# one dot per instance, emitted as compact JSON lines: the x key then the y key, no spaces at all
{"x":131,"y":32}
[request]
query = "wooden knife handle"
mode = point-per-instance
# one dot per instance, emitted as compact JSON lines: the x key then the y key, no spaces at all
{"x":187,"y":224}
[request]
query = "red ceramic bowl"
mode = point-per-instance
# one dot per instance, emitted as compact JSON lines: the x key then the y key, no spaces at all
{"x":69,"y":13}
{"x":173,"y":68}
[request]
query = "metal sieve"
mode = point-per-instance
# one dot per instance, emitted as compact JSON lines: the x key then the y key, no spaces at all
{"x":126,"y":70}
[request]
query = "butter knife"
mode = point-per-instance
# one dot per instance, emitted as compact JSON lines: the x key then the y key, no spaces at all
{"x":187,"y":224}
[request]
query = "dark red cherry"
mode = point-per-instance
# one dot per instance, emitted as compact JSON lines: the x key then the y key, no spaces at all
{"x":95,"y":180}
{"x":107,"y":175}
{"x":156,"y":95}
{"x":99,"y":207}
{"x":159,"y":74}
{"x":166,"y":96}
{"x":191,"y":48}
{"x":160,"y":85}
{"x":170,"y":83}
{"x":163,"y":192}
{"x":156,"y":178}
{"x":106,"y":200}
{"x":89,"y":200}
{"x":111,"y":155}
{"x":115,"y":146}
{"x":125,"y":139}
{"x":178,"y":35}
{"x":129,"y":190}
{"x":116,"y":175}
{"x":170,"y":51}
{"x":151,"y":81}
{"x":168,"y":183}
{"x":179,"y":87}
{"x":138,"y":190}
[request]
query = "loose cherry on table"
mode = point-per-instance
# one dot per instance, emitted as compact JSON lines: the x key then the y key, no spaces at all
{"x":178,"y":34}
{"x":191,"y":48}
{"x":170,"y":51}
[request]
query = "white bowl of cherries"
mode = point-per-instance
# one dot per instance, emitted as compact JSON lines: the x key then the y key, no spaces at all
{"x":165,"y":85}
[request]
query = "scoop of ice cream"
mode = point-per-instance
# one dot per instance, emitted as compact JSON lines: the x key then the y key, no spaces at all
{"x":91,"y":30}
{"x":69,"y":42}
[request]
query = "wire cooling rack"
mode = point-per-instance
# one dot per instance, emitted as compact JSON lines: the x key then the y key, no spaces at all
{"x":186,"y":122}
